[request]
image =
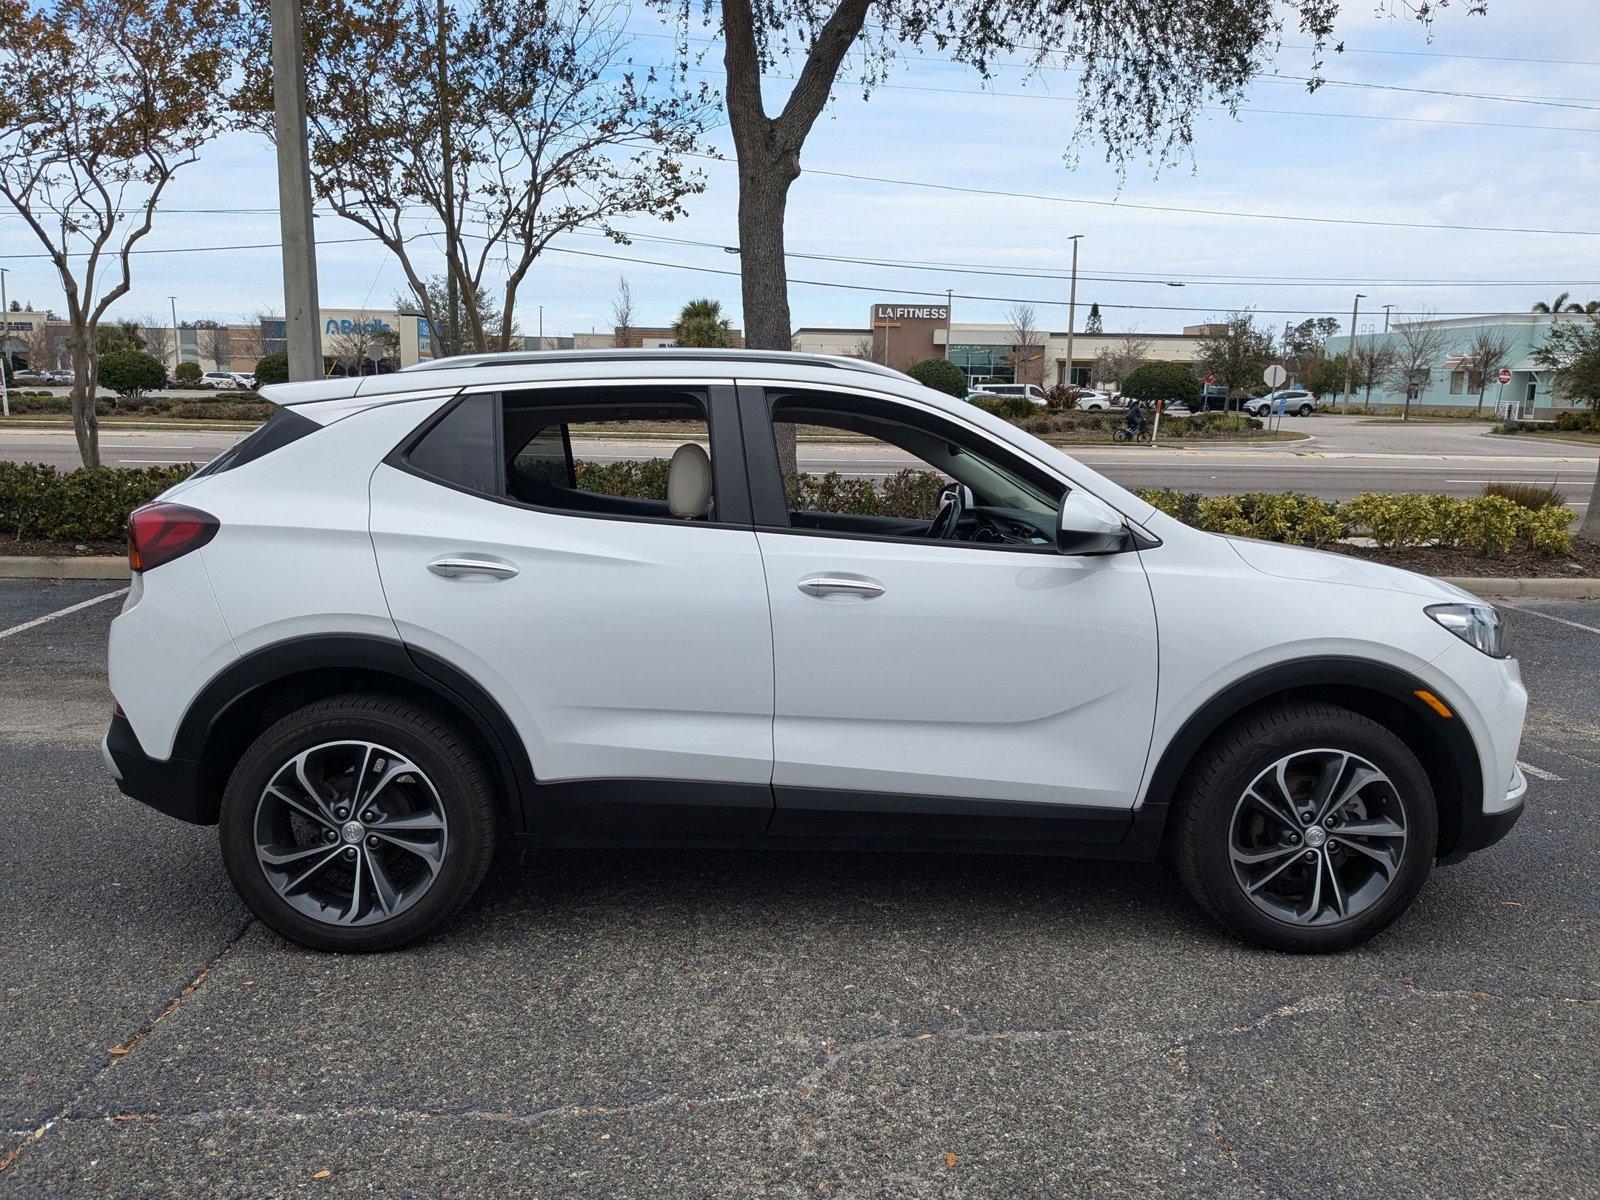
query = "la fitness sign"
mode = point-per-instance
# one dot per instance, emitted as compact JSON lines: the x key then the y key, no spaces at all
{"x":902,"y":312}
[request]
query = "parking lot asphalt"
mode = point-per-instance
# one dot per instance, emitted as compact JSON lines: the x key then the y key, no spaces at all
{"x":780,"y":1024}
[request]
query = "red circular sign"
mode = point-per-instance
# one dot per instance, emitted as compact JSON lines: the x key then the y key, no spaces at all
{"x":1505,"y":374}
{"x":1210,"y":379}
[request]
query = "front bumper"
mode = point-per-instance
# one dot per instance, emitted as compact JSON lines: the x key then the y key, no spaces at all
{"x":170,"y":787}
{"x":1483,"y":829}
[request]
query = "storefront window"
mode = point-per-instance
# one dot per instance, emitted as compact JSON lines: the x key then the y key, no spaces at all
{"x":984,"y":364}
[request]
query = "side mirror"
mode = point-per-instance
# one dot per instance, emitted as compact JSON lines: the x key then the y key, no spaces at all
{"x":1088,"y":525}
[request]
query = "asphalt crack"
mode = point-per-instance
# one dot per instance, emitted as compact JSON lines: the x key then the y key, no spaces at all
{"x":119,"y":1052}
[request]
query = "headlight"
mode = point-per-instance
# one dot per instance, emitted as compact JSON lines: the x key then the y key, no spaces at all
{"x":1476,"y":624}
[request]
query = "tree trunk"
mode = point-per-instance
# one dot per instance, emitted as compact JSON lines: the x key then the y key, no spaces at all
{"x":85,"y":383}
{"x":764,"y":178}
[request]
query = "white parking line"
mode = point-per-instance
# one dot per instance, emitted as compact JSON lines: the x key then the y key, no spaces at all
{"x":1539,"y":772}
{"x":1548,"y":617}
{"x":60,"y":612}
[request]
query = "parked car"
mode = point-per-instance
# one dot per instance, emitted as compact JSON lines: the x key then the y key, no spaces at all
{"x":403,"y":623}
{"x":1092,"y":400}
{"x":36,"y":378}
{"x":244,"y":380}
{"x":1028,"y":391}
{"x":1295,"y":400}
{"x":222,"y":380}
{"x":62,"y":378}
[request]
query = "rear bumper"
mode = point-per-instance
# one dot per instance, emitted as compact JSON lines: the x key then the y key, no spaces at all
{"x":168,"y":786}
{"x":1484,"y":829}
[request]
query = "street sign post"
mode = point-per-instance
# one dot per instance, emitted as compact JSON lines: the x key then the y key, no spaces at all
{"x":1274,"y":377}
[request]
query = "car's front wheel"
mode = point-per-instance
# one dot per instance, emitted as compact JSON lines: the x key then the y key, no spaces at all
{"x":1307,"y":828}
{"x":357,"y":823}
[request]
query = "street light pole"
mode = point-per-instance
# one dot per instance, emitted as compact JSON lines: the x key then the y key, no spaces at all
{"x":1350,"y":359}
{"x":303,"y":333}
{"x":1386,"y":310}
{"x":176,"y":356}
{"x":1072,"y":305}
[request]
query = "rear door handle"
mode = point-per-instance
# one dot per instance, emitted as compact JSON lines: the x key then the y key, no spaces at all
{"x":840,"y":585}
{"x":455,"y":568}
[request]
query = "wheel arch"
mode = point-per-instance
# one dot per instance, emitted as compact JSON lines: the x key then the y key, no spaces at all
{"x":1444,"y":746}
{"x":258,"y":689}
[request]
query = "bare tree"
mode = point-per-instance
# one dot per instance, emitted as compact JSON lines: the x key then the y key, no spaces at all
{"x":622,"y":313}
{"x":159,"y":339}
{"x":103,"y":102}
{"x":1027,"y":344}
{"x":213,"y":341}
{"x":510,"y":123}
{"x":1417,"y":346}
{"x":1486,"y":354}
{"x":1116,"y":361}
{"x":248,"y":337}
{"x":862,"y":348}
{"x":46,"y":346}
{"x":1369,"y":366}
{"x":1144,"y":71}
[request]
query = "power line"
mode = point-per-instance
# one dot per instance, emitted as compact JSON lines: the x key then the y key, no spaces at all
{"x":1176,"y":208}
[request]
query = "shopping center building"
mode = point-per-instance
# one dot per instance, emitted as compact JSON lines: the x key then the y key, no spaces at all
{"x":901,"y":334}
{"x":1452,"y":380}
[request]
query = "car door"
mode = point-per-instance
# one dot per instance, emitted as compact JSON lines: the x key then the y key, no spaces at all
{"x":631,"y":649}
{"x":957,"y":684}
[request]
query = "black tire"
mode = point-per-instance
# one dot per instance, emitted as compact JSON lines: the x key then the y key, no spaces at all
{"x":442,"y":756}
{"x":1306,"y":410}
{"x":1203,"y":823}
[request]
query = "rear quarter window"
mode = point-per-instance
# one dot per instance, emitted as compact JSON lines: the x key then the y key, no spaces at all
{"x":281,"y":428}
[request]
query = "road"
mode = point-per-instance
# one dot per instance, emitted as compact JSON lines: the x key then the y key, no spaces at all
{"x":780,"y":1024}
{"x":1347,"y":455}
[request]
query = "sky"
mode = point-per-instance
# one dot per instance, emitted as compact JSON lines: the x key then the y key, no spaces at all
{"x":1530,"y":160}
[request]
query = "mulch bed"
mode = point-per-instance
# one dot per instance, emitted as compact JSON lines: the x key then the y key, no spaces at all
{"x":1582,"y":563}
{"x":28,"y":546}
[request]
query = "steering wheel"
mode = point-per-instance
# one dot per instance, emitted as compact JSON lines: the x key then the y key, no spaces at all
{"x":951,"y":506}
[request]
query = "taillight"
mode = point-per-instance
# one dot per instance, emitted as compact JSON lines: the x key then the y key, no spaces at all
{"x":161,"y":532}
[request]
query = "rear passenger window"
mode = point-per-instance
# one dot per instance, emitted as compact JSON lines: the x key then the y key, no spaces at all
{"x":601,"y":451}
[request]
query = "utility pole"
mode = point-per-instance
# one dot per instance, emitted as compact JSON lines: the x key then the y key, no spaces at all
{"x":1350,"y":359}
{"x":294,"y":194}
{"x":1386,"y":310}
{"x":541,"y":327}
{"x":447,"y":154}
{"x":5,"y":347}
{"x":1072,"y":306}
{"x":176,"y":356}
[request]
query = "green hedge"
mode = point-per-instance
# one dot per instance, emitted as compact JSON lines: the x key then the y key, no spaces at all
{"x":38,"y":501}
{"x":225,"y":406}
{"x":1488,"y":525}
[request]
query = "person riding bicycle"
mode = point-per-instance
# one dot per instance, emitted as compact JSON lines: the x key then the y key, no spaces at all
{"x":1133,"y":420}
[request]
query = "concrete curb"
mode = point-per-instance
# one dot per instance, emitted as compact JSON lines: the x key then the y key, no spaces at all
{"x":107,"y":567}
{"x":89,"y":566}
{"x":1511,"y":589}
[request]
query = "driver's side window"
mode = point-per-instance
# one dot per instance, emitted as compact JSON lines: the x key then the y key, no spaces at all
{"x":882,"y":470}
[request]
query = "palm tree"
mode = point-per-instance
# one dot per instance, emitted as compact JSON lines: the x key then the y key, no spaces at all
{"x":701,"y":323}
{"x":1558,"y":305}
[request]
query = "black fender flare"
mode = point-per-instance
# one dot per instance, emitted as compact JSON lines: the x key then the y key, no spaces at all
{"x":1333,"y":676}
{"x":446,"y":684}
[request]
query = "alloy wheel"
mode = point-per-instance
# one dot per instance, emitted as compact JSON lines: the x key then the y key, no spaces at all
{"x":350,"y":833}
{"x":1318,"y":837}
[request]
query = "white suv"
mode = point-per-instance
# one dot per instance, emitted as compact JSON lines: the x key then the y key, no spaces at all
{"x":419,"y":615}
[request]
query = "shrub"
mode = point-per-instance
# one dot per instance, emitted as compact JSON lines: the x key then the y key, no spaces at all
{"x":1063,"y":421}
{"x":131,"y":372}
{"x":1224,"y":422}
{"x":641,"y":479}
{"x":911,"y":493}
{"x":1528,"y":495}
{"x":1395,"y":522}
{"x":274,"y":368}
{"x":940,"y":374}
{"x":187,"y":373}
{"x":1162,"y":381}
{"x":221,"y":410}
{"x":1058,"y":396}
{"x":1185,"y":506}
{"x":1578,"y":422}
{"x":1546,"y":530}
{"x":38,"y":501}
{"x":1290,"y":517}
{"x":1012,"y":408}
{"x":1487,"y":524}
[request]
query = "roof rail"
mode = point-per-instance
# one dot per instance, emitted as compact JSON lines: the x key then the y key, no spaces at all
{"x":518,"y":358}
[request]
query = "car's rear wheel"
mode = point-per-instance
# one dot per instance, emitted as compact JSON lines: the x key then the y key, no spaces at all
{"x":357,"y":823}
{"x":1306,"y":410}
{"x":1308,"y":828}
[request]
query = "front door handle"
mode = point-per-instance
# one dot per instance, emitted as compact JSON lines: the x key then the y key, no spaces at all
{"x":455,"y":568}
{"x":840,"y":585}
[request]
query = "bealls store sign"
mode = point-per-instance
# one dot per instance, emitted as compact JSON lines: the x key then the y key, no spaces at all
{"x":346,"y":325}
{"x":898,"y":312}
